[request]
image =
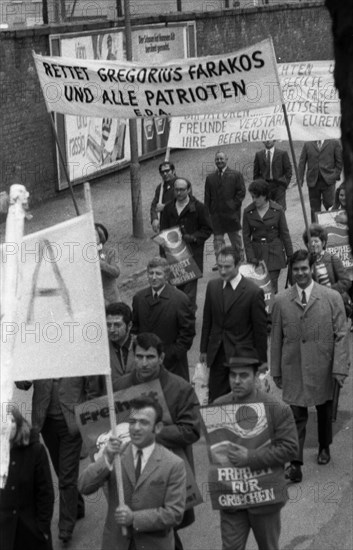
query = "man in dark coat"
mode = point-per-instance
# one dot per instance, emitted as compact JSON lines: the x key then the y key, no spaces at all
{"x":323,"y":160}
{"x":166,"y":311}
{"x":180,"y":398}
{"x":273,"y":165}
{"x":164,"y":195}
{"x":191,"y":216}
{"x":234,"y":315}
{"x":224,"y":194}
{"x":53,"y":415}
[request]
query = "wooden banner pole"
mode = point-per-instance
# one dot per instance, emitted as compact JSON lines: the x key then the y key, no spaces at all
{"x":299,"y":183}
{"x":110,"y":395}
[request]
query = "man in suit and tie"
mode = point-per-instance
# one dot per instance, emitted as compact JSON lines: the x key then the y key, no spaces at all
{"x":224,"y":194}
{"x":309,"y":353}
{"x":185,"y":426}
{"x":323,"y":160}
{"x":154,"y":481}
{"x":234,"y":316}
{"x":273,"y":165}
{"x":163,"y":194}
{"x":167,"y":312}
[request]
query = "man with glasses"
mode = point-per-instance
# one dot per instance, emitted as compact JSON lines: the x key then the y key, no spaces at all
{"x":193,"y":219}
{"x":163,"y":194}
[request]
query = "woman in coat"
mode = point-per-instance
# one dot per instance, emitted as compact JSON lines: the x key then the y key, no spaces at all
{"x":27,"y":501}
{"x":265,"y":232}
{"x":328,"y":269}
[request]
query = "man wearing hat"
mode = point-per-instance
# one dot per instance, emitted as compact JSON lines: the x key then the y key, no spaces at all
{"x":275,"y":419}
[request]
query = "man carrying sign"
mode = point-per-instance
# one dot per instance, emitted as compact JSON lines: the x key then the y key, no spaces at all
{"x":154,"y":482}
{"x":264,"y":520}
{"x":180,"y":398}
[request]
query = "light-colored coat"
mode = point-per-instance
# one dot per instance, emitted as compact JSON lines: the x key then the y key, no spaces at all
{"x":308,"y":345}
{"x":157,"y":499}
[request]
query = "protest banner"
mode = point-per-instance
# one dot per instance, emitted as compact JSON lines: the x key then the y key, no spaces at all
{"x":60,"y":329}
{"x":93,"y":421}
{"x":182,"y":264}
{"x":231,"y":487}
{"x":259,"y":275}
{"x":336,"y":224}
{"x":116,"y":89}
{"x":10,"y":273}
{"x":311,"y":101}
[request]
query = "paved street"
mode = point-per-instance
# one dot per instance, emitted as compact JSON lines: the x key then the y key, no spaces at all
{"x":319,"y":513}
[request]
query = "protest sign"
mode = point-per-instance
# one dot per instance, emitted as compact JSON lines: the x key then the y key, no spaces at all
{"x":312,"y":105}
{"x":182,"y":264}
{"x":103,"y":88}
{"x":231,"y":487}
{"x":259,"y":275}
{"x":60,"y":328}
{"x":336,"y":224}
{"x":93,"y":421}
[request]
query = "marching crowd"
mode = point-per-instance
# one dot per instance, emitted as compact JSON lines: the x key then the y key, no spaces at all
{"x":308,"y":355}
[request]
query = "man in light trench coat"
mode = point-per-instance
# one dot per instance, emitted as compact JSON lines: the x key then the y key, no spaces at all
{"x":309,"y":353}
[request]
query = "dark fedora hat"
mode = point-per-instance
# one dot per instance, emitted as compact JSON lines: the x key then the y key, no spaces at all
{"x":244,"y":357}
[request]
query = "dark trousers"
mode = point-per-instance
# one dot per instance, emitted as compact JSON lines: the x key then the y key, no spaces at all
{"x":190,"y":289}
{"x":274,"y":276}
{"x":278,"y":193}
{"x":324,"y":426}
{"x":64,"y":449}
{"x":321,"y":193}
{"x":218,"y":383}
{"x":235,"y":529}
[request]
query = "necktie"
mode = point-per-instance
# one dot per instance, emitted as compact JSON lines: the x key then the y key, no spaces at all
{"x":268,"y":164}
{"x":138,"y":464}
{"x":227,"y":294}
{"x":304,"y":302}
{"x":155,"y":296}
{"x":220,"y":173}
{"x":319,"y":144}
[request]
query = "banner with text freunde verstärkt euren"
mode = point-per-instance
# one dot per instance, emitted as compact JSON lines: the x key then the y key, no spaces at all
{"x":312,"y":105}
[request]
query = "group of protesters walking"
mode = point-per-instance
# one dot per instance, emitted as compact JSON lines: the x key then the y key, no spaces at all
{"x":150,"y":341}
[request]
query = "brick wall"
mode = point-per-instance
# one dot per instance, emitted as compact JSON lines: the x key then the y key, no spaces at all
{"x":27,"y":152}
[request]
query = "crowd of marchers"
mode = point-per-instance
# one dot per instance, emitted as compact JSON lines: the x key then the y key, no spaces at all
{"x":309,"y":330}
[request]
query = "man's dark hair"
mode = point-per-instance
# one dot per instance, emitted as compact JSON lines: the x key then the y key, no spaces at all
{"x":301,"y":256}
{"x":230,"y":251}
{"x":120,"y":308}
{"x":146,"y":340}
{"x":316,"y":230}
{"x":259,"y":188}
{"x":166,"y":163}
{"x":146,"y":401}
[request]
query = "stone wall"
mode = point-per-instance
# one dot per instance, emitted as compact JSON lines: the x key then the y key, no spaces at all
{"x":27,"y":152}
